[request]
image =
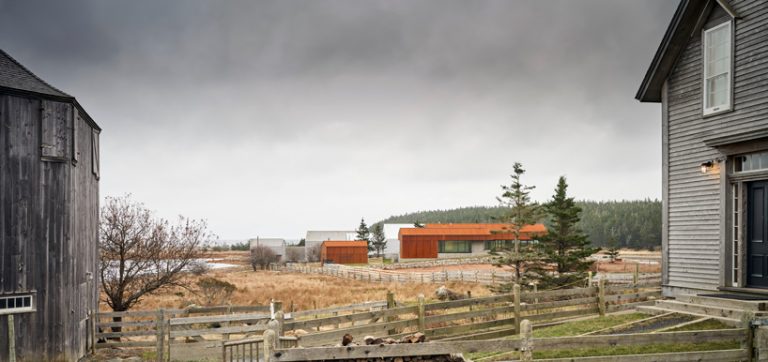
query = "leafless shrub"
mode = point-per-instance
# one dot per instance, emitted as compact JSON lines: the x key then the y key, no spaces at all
{"x":214,"y":291}
{"x":262,"y":257}
{"x":313,"y":253}
{"x":292,"y":255}
{"x":199,"y":267}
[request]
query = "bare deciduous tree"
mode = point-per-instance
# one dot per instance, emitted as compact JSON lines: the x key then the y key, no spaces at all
{"x":262,"y":257}
{"x":313,"y":252}
{"x":292,"y":254}
{"x":141,"y":253}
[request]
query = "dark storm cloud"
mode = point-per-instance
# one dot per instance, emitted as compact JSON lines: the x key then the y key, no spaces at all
{"x":258,"y":107}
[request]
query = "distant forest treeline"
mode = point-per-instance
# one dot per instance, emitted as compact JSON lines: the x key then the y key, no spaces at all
{"x":633,"y":224}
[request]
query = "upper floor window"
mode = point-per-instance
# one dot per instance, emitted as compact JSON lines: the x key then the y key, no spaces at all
{"x":718,"y":78}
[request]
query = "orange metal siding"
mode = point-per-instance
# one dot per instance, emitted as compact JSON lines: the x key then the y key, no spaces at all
{"x":422,"y":243}
{"x":417,"y":246}
{"x":344,"y":252}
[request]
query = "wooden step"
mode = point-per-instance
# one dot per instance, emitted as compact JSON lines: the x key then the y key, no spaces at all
{"x":751,"y":305}
{"x":733,"y":322}
{"x":709,"y":310}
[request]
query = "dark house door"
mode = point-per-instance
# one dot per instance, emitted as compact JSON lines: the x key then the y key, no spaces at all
{"x":757,"y":234}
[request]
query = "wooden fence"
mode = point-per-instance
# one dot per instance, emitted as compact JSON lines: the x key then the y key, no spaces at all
{"x":200,"y":328}
{"x":486,"y":277}
{"x":526,"y":345}
{"x":184,"y":334}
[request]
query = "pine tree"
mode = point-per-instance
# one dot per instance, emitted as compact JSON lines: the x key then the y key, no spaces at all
{"x":613,"y":249}
{"x":364,"y":234}
{"x":521,"y":211}
{"x":565,"y":245}
{"x":378,"y":239}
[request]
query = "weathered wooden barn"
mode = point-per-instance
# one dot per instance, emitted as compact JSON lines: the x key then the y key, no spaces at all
{"x":459,"y":240}
{"x":709,"y":74}
{"x":344,"y":252}
{"x":49,"y":205}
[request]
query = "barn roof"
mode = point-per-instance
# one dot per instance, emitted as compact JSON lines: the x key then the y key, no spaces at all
{"x":16,"y":77}
{"x":345,"y":243}
{"x":13,"y":75}
{"x":686,"y":20}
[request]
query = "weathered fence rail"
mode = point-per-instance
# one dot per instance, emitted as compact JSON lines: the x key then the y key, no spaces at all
{"x":486,"y":277}
{"x":528,"y":344}
{"x":186,"y":333}
{"x":471,"y":318}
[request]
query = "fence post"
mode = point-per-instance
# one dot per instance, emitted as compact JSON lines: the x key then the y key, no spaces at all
{"x":526,"y":342}
{"x":636,"y":275}
{"x":471,"y":307}
{"x":390,"y":305}
{"x":226,"y":335}
{"x":516,"y":291}
{"x":421,"y":313}
{"x":589,"y":279}
{"x":270,"y":341}
{"x":601,"y":296}
{"x":11,"y":340}
{"x":160,"y":339}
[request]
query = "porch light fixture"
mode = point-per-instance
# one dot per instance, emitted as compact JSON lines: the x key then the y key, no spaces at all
{"x":706,"y":166}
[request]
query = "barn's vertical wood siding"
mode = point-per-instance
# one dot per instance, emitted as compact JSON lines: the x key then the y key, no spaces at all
{"x":695,"y":207}
{"x":48,"y":228}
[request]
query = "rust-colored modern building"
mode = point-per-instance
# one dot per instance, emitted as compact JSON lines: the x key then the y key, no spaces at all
{"x":344,"y":252}
{"x":453,"y":240}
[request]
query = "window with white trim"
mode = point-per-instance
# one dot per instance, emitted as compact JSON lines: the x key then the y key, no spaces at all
{"x":718,"y":77}
{"x":11,"y":304}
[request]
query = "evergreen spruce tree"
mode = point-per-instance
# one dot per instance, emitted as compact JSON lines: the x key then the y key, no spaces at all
{"x":521,"y":211}
{"x":613,"y":249}
{"x":364,"y":234}
{"x":566,"y":247}
{"x":378,"y":239}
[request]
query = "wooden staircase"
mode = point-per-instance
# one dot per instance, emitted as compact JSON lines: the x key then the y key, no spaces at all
{"x":732,"y":312}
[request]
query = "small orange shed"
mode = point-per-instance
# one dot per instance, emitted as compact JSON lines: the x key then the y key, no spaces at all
{"x":344,"y":252}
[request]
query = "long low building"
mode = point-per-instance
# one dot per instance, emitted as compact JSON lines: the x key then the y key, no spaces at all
{"x":460,"y":240}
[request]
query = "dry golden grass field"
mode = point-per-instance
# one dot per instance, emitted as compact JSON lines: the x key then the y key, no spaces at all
{"x":308,"y":291}
{"x":305,"y":291}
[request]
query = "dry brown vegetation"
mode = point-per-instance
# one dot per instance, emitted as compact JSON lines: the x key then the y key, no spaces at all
{"x":305,"y":291}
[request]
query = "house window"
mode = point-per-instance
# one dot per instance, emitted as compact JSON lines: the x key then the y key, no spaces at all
{"x":454,"y":246}
{"x":751,"y":162}
{"x":497,"y":244}
{"x":12,"y":304}
{"x":717,"y":68}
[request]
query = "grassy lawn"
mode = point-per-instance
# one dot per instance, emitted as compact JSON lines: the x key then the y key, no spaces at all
{"x":653,"y":348}
{"x":587,"y":325}
{"x":595,"y":324}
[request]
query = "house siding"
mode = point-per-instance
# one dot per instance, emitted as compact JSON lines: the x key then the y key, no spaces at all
{"x":694,"y":236}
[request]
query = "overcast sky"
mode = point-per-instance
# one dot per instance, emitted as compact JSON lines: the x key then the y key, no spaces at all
{"x":269,"y":118}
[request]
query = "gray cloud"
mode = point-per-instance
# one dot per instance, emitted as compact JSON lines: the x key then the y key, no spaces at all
{"x":272,"y":117}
